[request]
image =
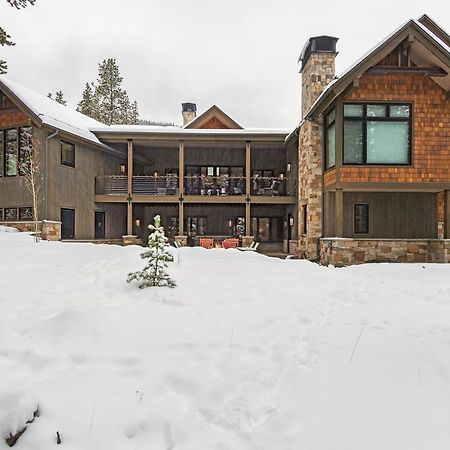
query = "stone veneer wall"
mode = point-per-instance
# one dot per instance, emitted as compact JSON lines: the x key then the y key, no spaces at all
{"x":341,"y":252}
{"x":50,"y":230}
{"x":317,"y":73}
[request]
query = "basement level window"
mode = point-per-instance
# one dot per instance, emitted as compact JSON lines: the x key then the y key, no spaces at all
{"x":377,"y":133}
{"x":67,"y":154}
{"x":361,"y":218}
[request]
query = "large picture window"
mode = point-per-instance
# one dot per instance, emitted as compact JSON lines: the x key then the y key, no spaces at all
{"x":377,"y":134}
{"x":330,"y":139}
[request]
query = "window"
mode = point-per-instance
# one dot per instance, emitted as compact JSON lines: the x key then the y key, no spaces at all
{"x":172,"y":226}
{"x":26,"y":213}
{"x":1,"y":214}
{"x":11,"y":214}
{"x":67,"y":154}
{"x":305,"y":218}
{"x":330,"y":139}
{"x":267,"y":229}
{"x":67,"y":223}
{"x":377,"y":134}
{"x":361,"y":218}
{"x":13,"y":154}
{"x":196,"y":226}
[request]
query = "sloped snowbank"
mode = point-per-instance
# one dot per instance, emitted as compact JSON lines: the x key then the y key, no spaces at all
{"x":4,"y":229}
{"x":247,"y":352}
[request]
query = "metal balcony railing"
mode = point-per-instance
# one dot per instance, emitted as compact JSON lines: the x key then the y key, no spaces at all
{"x":142,"y":185}
{"x":219,"y":185}
{"x":193,"y":185}
{"x":269,"y":186}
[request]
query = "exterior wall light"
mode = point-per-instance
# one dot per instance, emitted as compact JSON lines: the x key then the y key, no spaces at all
{"x":288,"y":167}
{"x":122,"y":168}
{"x":137,"y":222}
{"x":291,"y":221}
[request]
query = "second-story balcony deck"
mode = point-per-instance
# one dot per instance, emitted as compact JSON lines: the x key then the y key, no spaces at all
{"x":200,"y":185}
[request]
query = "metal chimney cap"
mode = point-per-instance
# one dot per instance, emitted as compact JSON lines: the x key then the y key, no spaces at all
{"x":189,"y":107}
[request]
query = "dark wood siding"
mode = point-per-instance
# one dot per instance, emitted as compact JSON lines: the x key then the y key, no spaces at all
{"x":392,"y":215}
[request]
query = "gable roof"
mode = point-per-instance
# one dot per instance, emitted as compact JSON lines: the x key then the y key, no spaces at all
{"x":214,"y":113}
{"x":427,"y":45}
{"x":45,"y":111}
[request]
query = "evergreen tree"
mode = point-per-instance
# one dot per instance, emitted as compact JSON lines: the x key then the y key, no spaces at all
{"x":89,"y":103}
{"x":4,"y":37}
{"x":114,"y":106}
{"x":154,"y":273}
{"x":59,"y":97}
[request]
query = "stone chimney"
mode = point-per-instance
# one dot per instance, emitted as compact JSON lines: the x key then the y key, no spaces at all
{"x":318,"y":68}
{"x":317,"y":71}
{"x":189,"y":111}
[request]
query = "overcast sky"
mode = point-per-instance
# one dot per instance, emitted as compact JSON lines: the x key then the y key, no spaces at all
{"x":239,"y":54}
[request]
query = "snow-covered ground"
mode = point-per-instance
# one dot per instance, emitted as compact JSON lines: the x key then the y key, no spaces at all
{"x":248,"y":352}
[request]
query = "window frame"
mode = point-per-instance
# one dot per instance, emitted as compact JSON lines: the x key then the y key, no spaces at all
{"x":326,"y":128}
{"x":65,"y":164}
{"x":20,"y":155}
{"x":367,"y":207}
{"x":305,"y":219}
{"x":364,"y":119}
{"x":73,"y":211}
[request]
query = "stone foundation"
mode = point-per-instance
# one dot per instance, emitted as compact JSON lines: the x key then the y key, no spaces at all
{"x":131,"y":240}
{"x":341,"y":252}
{"x":49,"y":229}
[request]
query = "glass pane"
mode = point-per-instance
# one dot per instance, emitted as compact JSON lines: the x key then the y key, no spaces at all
{"x":353,"y":142}
{"x":264,"y":229}
{"x":10,"y":213}
{"x":1,"y":214}
{"x":387,"y":142}
{"x":399,"y":110}
{"x":376,"y":111}
{"x":25,"y":149}
{"x":361,"y":218}
{"x":11,"y":159}
{"x":26,"y":213}
{"x":68,"y":154}
{"x":331,"y":147}
{"x":331,"y":116}
{"x":353,"y":110}
{"x":11,"y":135}
{"x":1,"y":153}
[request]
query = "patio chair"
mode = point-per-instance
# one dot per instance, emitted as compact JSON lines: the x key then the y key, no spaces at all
{"x":230,"y":243}
{"x":252,"y":248}
{"x":207,"y":243}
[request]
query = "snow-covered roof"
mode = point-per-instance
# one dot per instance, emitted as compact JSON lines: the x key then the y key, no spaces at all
{"x":361,"y":61}
{"x":52,"y":113}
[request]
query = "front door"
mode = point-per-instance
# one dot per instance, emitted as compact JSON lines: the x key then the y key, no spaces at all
{"x":99,"y":225}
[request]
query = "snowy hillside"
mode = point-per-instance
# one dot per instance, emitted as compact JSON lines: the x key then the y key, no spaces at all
{"x":248,"y":352}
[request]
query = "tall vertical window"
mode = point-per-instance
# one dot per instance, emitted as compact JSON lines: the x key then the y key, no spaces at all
{"x":67,"y":154}
{"x":361,"y":218}
{"x":13,"y":154}
{"x":305,"y":218}
{"x":377,"y":134}
{"x":330,"y":139}
{"x":2,"y":100}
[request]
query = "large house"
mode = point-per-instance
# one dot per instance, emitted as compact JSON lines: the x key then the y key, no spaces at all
{"x":364,"y":177}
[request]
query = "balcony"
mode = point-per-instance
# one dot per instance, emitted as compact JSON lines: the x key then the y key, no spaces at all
{"x":223,"y":185}
{"x":219,"y":185}
{"x":142,"y":185}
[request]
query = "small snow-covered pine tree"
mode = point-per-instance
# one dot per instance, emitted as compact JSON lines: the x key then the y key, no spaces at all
{"x":158,"y":255}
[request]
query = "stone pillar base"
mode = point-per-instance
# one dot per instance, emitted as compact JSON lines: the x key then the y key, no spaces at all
{"x":182,"y":240}
{"x":51,"y":230}
{"x":130,"y":239}
{"x":247,"y":241}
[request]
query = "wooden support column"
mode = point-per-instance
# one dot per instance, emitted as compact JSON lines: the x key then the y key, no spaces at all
{"x":181,"y":187}
{"x":130,"y":189}
{"x":248,"y":174}
{"x":447,"y":214}
{"x":339,"y":213}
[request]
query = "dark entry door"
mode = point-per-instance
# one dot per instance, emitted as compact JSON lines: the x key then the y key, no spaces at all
{"x":99,"y":225}
{"x":67,"y":223}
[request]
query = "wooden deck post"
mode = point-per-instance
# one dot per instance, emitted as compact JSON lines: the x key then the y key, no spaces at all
{"x":248,"y":172}
{"x":181,"y":187}
{"x":339,"y":213}
{"x":130,"y":189}
{"x":447,"y":214}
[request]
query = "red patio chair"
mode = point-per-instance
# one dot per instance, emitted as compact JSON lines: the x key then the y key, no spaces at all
{"x":207,"y":243}
{"x":230,"y":243}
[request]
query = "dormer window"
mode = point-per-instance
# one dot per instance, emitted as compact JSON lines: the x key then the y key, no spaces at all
{"x":377,"y":134}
